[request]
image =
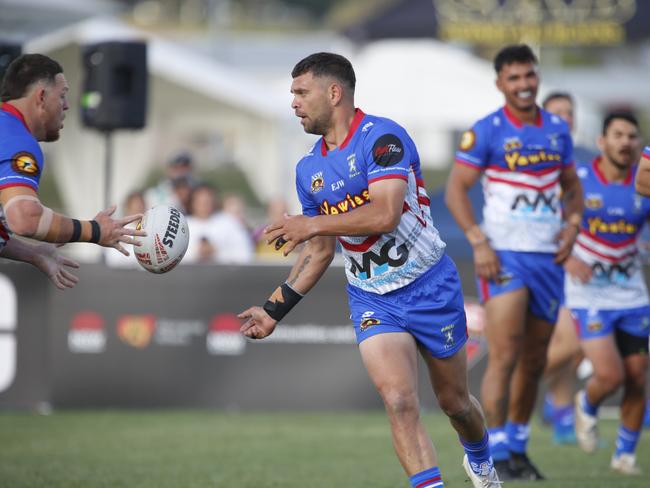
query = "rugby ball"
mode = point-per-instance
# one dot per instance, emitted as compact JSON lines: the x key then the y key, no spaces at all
{"x":166,"y":241}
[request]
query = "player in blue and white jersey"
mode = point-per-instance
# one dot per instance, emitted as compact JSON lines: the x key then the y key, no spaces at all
{"x":606,"y":291}
{"x":524,"y":156}
{"x":34,"y":101}
{"x":361,"y":182}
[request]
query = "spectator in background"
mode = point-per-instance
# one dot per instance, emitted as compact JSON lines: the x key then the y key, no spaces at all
{"x":276,"y":209}
{"x":134,"y":203}
{"x":215,"y":237}
{"x":176,"y":187}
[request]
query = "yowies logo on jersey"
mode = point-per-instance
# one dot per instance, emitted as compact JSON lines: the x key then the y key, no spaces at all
{"x":350,"y":202}
{"x":25,"y":163}
{"x":317,"y":182}
{"x":467,"y":140}
{"x":388,"y":150}
{"x":516,"y":159}
{"x":621,"y":226}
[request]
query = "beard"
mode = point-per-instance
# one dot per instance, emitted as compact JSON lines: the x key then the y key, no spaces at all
{"x":52,"y":135}
{"x":318,"y":126}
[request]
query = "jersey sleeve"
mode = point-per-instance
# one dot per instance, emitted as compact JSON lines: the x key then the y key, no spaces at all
{"x":388,"y":153}
{"x":21,"y":164}
{"x":646,"y":153}
{"x":309,"y":205}
{"x":473,"y":149}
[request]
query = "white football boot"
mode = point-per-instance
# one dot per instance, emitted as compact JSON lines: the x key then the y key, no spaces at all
{"x":486,"y":478}
{"x":625,"y":463}
{"x":586,"y":426}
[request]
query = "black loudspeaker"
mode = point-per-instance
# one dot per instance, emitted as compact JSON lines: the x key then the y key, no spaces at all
{"x":115,"y":85}
{"x":8,"y":52}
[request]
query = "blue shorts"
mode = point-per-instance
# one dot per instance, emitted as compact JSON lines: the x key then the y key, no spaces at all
{"x":430,"y":309}
{"x":533,"y":270}
{"x":600,"y":323}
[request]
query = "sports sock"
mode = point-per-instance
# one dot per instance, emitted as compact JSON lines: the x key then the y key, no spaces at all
{"x":587,"y":407}
{"x":548,"y":409}
{"x":626,"y":440}
{"x":429,"y":478}
{"x":478,"y":454}
{"x":498,"y":440}
{"x":518,"y":435}
{"x":563,"y":420}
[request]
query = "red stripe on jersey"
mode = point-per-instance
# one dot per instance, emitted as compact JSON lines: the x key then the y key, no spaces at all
{"x":518,"y":123}
{"x":611,"y":259}
{"x":468,"y":164}
{"x":363,"y":247}
{"x":389,"y":177}
{"x":604,"y":241}
{"x":358,"y":116}
{"x":424,"y":201}
{"x":524,"y":185}
{"x":525,"y":171}
{"x":428,"y":482}
{"x":11,"y":185}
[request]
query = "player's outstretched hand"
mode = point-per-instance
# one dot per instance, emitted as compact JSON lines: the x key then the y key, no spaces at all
{"x":578,"y":269}
{"x":114,"y":233}
{"x":258,"y":324}
{"x":289,"y":231}
{"x":53,"y":265}
{"x":486,"y":261}
{"x":566,"y":237}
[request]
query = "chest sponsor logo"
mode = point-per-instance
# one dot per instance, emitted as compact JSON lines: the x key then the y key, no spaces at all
{"x":25,"y":163}
{"x":388,"y":150}
{"x":389,"y":255}
{"x":515,"y":159}
{"x":597,"y":225}
{"x":352,"y":166}
{"x":541,"y":203}
{"x":317,"y":182}
{"x":350,"y":202}
{"x":338,"y":185}
{"x":613,"y":273}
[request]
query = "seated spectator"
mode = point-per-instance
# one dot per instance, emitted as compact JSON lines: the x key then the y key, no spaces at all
{"x":215,"y":237}
{"x":177,"y":185}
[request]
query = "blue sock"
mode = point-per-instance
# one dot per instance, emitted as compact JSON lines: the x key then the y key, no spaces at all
{"x":646,"y":419}
{"x":498,"y":440}
{"x":429,"y":478}
{"x":587,"y":407}
{"x":478,"y":454}
{"x":563,"y":420}
{"x":548,"y":409}
{"x":518,"y":435}
{"x":626,"y":440}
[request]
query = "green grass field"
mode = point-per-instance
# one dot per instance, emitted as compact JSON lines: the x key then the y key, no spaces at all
{"x":185,"y":449}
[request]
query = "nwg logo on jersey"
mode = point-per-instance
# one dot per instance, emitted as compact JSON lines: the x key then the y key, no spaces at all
{"x":8,"y":319}
{"x":86,"y":334}
{"x":224,"y":337}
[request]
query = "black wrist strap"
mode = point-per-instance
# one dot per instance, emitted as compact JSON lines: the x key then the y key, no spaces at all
{"x":96,"y":233}
{"x":76,"y":231}
{"x":284,"y":298}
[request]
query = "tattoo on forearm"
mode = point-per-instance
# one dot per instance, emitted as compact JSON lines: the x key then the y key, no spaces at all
{"x":302,"y":267}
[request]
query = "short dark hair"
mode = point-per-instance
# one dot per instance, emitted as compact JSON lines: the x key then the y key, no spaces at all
{"x":619,"y":115}
{"x":26,"y":70}
{"x":557,"y":95}
{"x":518,"y":53}
{"x":327,"y":64}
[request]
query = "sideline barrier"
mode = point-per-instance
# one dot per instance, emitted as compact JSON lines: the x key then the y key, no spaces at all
{"x":127,"y":338}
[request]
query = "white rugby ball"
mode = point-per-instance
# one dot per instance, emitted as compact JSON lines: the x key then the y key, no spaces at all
{"x":166,"y":241}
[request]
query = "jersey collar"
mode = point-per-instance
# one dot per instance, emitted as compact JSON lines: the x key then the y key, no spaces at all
{"x":512,"y":118}
{"x":358,"y":116}
{"x":9,"y":108}
{"x":601,"y":176}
